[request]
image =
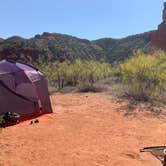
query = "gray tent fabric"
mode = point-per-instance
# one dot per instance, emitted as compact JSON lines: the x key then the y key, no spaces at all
{"x":23,"y":89}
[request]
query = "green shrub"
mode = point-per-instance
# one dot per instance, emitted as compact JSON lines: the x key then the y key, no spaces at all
{"x":144,"y":74}
{"x":78,"y":73}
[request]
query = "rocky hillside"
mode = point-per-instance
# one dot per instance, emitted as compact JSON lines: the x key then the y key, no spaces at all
{"x":54,"y":46}
{"x":120,"y":49}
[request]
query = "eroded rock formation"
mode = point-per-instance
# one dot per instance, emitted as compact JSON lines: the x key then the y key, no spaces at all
{"x":159,"y":36}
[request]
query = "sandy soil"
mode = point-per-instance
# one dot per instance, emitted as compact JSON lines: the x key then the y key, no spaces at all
{"x":86,"y":130}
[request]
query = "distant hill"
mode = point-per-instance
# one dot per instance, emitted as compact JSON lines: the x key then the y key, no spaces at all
{"x":120,"y":49}
{"x":54,"y":46}
{"x":1,"y":40}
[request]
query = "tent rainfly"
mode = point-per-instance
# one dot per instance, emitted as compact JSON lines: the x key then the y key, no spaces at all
{"x":23,"y":90}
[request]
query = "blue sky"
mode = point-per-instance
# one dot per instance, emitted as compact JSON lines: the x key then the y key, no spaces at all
{"x":90,"y":19}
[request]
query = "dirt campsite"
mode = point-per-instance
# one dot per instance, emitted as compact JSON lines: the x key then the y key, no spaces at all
{"x":86,"y":129}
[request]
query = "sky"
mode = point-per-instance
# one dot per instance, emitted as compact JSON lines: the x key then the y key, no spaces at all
{"x":89,"y":19}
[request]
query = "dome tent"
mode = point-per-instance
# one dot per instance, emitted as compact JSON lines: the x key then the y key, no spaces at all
{"x":23,"y":90}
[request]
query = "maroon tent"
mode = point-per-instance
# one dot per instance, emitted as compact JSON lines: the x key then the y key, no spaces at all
{"x":23,"y":90}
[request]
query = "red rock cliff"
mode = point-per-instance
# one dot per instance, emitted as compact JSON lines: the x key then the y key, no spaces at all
{"x":159,"y":36}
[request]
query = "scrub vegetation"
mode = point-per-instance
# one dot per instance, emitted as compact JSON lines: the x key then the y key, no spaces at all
{"x":80,"y":73}
{"x":144,"y":76}
{"x":141,"y":77}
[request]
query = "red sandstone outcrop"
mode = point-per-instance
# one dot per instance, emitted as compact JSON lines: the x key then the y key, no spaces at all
{"x":159,"y":36}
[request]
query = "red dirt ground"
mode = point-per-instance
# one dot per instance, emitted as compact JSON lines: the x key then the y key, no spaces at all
{"x":87,"y":130}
